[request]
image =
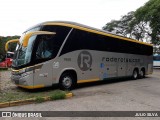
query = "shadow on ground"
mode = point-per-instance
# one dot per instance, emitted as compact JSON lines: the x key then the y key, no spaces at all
{"x":102,"y":82}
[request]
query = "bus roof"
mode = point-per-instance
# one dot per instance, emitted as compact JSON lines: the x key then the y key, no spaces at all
{"x":89,"y":29}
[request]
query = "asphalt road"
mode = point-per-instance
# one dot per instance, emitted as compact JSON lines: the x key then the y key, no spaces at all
{"x":115,"y":95}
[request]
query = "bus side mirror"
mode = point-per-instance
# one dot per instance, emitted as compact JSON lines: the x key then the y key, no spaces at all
{"x":10,"y":41}
{"x":30,"y":34}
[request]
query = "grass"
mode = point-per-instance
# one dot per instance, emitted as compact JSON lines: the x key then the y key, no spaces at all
{"x":21,"y":94}
{"x":58,"y":95}
{"x":39,"y":99}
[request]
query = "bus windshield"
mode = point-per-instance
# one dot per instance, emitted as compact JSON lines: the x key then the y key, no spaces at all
{"x":23,"y":54}
{"x":44,"y":46}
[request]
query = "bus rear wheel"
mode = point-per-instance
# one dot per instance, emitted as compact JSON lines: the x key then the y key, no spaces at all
{"x":66,"y":81}
{"x":142,"y":73}
{"x":135,"y":74}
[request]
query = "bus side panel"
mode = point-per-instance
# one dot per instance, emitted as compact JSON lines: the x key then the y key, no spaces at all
{"x":99,"y":65}
{"x":149,"y":63}
{"x":43,"y":74}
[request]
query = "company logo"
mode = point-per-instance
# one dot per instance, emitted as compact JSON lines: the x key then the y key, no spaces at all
{"x":84,"y":60}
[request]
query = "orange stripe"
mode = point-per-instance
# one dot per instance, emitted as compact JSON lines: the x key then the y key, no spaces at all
{"x":88,"y":80}
{"x":31,"y":87}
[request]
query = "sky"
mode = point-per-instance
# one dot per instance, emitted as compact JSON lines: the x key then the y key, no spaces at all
{"x":19,"y":15}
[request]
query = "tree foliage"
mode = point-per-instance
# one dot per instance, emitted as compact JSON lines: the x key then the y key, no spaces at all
{"x":129,"y":27}
{"x":120,"y":27}
{"x":3,"y":41}
{"x":150,"y":13}
{"x":142,"y":24}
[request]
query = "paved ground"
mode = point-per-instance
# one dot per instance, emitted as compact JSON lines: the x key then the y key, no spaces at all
{"x":5,"y":80}
{"x":124,"y":95}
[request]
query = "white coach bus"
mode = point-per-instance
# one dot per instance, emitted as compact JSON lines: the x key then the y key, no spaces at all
{"x":156,"y":61}
{"x":68,"y":53}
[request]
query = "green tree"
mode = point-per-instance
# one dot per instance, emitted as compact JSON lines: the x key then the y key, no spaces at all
{"x":150,"y":13}
{"x":3,"y":41}
{"x":129,"y":27}
{"x":143,"y":24}
{"x":120,"y":27}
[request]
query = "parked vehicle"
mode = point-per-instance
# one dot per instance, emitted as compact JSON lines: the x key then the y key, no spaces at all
{"x":8,"y":60}
{"x":156,"y":60}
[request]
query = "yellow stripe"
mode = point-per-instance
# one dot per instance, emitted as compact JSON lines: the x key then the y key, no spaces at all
{"x":28,"y":35}
{"x":95,"y":31}
{"x":31,"y":87}
{"x":88,"y":80}
{"x":15,"y":70}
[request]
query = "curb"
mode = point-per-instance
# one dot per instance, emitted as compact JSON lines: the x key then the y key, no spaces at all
{"x":28,"y":101}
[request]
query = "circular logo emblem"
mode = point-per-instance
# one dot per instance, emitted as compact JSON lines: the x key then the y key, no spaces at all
{"x":84,"y":60}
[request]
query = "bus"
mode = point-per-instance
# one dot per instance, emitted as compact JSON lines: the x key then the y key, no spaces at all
{"x":156,"y":60}
{"x":68,"y":53}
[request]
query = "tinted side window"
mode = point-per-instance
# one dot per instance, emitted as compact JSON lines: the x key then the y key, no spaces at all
{"x":79,"y":40}
{"x":156,"y":57}
{"x":45,"y":47}
{"x":61,"y":33}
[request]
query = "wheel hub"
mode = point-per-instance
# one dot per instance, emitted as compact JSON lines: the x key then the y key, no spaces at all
{"x":135,"y":74}
{"x":67,"y":82}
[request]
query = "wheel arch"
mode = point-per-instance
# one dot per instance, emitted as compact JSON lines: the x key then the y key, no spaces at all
{"x":67,"y":70}
{"x":143,"y":68}
{"x":136,"y":68}
{"x":144,"y":72}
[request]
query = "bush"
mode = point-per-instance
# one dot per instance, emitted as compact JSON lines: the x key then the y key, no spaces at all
{"x":39,"y":99}
{"x":58,"y":95}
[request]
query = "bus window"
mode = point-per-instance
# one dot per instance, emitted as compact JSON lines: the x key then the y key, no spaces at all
{"x":156,"y":58}
{"x":156,"y":61}
{"x":45,"y":49}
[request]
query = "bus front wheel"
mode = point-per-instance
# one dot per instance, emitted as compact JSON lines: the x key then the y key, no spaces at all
{"x":66,"y":81}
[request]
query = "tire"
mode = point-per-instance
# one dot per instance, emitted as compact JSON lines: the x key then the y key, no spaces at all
{"x":142,"y":74}
{"x":135,"y":74}
{"x":67,"y":81}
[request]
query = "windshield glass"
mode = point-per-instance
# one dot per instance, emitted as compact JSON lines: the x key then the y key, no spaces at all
{"x":23,"y":54}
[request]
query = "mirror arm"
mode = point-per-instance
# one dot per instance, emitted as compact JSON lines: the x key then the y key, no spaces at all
{"x":10,"y":41}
